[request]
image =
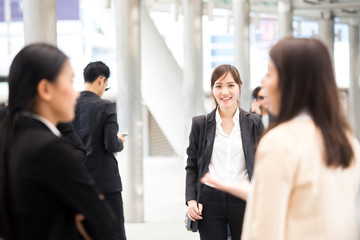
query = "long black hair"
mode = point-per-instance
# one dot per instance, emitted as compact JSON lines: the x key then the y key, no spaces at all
{"x":255,"y":92}
{"x":32,"y":64}
{"x":307,"y":81}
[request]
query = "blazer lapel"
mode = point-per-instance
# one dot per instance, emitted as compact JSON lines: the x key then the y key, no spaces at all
{"x":245,"y":127}
{"x":209,"y":143}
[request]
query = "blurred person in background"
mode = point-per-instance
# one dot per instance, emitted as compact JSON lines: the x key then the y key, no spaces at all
{"x":260,"y":104}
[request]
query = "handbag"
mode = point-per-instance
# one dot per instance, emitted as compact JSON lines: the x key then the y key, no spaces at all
{"x":189,"y":224}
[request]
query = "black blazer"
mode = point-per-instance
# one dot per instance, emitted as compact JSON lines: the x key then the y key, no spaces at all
{"x":66,"y":129}
{"x":48,"y":186}
{"x":3,"y":111}
{"x":96,"y":124}
{"x":251,"y":129}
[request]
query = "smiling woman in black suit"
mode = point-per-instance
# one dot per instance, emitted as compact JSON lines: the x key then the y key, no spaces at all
{"x":43,"y":186}
{"x":230,"y":141}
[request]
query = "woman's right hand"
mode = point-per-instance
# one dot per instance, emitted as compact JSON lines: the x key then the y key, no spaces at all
{"x":194,"y":211}
{"x":121,"y":137}
{"x":239,"y":190}
{"x":79,"y":218}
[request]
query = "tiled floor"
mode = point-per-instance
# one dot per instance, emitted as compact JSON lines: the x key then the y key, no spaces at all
{"x":164,"y":187}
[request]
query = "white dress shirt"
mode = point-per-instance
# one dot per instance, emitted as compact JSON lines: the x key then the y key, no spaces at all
{"x":265,"y":120}
{"x":228,"y":161}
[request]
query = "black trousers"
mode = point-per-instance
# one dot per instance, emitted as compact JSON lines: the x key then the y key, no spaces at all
{"x":114,"y":199}
{"x":219,"y":210}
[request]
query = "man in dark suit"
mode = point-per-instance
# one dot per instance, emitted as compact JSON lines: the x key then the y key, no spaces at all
{"x":96,"y":124}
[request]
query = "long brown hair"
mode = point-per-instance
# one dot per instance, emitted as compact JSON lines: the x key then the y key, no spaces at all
{"x":307,"y":81}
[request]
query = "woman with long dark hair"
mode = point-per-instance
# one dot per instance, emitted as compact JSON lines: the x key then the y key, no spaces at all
{"x":223,"y":143}
{"x":307,"y":168}
{"x":43,"y":186}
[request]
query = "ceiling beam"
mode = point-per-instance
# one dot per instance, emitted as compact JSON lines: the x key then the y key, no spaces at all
{"x":323,"y":6}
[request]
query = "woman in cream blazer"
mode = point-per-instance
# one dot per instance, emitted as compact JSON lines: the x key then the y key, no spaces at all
{"x":295,"y":195}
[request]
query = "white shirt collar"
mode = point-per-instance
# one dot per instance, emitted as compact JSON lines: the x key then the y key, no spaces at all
{"x":47,"y":123}
{"x":219,"y":120}
{"x":236,"y":116}
{"x":303,"y":115}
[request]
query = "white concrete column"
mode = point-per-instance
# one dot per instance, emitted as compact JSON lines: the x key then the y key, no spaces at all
{"x":242,"y":48}
{"x":354,"y":87}
{"x":285,"y":18}
{"x":40,"y":21}
{"x":129,"y":106}
{"x":326,"y":30}
{"x":193,"y":66}
{"x":175,"y":9}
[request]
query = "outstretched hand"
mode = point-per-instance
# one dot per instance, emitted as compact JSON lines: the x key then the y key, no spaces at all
{"x":239,"y":190}
{"x":207,"y":178}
